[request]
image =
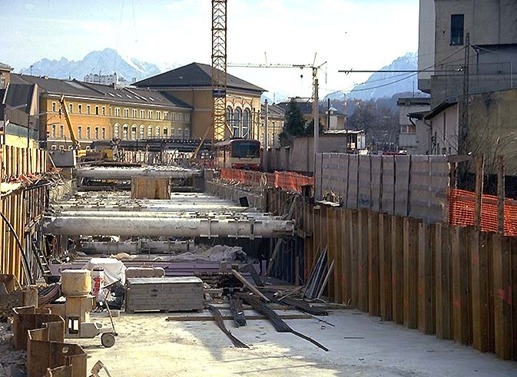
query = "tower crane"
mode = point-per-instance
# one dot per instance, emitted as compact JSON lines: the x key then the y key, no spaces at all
{"x":219,"y":76}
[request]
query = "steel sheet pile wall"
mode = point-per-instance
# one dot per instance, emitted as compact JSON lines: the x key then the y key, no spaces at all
{"x":456,"y":283}
{"x":21,"y":203}
{"x":413,"y":186}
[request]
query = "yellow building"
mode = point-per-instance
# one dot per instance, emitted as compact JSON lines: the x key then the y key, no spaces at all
{"x":102,"y":112}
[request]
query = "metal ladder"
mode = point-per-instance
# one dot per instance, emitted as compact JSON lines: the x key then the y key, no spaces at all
{"x":41,"y":259}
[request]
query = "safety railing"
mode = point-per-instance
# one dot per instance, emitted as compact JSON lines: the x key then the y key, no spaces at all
{"x":462,"y":212}
{"x":286,"y":181}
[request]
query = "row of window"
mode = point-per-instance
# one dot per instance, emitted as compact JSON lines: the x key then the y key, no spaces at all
{"x":97,"y":133}
{"x":142,"y":132}
{"x":143,"y":114}
{"x":239,"y":121}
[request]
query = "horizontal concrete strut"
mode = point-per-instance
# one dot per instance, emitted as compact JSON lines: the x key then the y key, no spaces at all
{"x":128,"y":173}
{"x":171,"y":227}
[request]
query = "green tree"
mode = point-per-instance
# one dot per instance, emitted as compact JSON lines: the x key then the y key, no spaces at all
{"x":294,"y":125}
{"x":309,"y":130}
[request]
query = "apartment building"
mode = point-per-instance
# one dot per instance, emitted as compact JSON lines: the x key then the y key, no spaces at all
{"x":464,"y":42}
{"x":473,"y":47}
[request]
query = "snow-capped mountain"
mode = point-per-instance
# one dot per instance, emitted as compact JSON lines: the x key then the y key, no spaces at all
{"x":105,"y":62}
{"x":386,"y":84}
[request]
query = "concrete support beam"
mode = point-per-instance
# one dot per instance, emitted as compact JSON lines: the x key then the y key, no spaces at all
{"x":171,"y":227}
{"x":127,"y":173}
{"x":135,"y":247}
{"x":179,"y":215}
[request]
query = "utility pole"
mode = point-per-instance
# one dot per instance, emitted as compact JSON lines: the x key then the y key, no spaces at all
{"x":266,"y":121}
{"x":464,"y":124}
{"x":316,"y":112}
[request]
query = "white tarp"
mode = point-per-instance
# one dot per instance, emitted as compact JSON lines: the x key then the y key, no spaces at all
{"x":114,"y":270}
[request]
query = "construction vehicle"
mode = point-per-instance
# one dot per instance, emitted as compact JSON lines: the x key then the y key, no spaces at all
{"x":76,"y":146}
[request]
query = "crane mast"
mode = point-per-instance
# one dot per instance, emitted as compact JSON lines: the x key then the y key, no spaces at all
{"x":219,"y":76}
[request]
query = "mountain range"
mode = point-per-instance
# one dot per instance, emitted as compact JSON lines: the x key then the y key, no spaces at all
{"x":108,"y":61}
{"x":105,"y":62}
{"x":385,"y":84}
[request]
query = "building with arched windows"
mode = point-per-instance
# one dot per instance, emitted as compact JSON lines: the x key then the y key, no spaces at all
{"x":192,"y":84}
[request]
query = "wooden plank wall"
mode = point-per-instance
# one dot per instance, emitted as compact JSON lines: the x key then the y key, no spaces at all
{"x":455,"y":283}
{"x":18,"y":208}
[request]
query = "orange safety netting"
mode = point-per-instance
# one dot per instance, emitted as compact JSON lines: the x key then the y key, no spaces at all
{"x":462,"y":206}
{"x":287,"y":181}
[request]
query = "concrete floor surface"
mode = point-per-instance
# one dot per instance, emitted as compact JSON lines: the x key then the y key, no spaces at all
{"x":359,"y":345}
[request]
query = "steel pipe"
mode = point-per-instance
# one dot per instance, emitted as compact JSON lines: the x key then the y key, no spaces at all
{"x":171,"y":227}
{"x":135,"y":247}
{"x":179,"y":215}
{"x":128,"y":173}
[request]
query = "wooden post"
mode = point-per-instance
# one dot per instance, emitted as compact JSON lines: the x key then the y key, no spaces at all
{"x":502,"y":297}
{"x":338,"y":268}
{"x":480,"y":164}
{"x":513,"y":253}
{"x":354,"y":246}
{"x":362,"y":262}
{"x":460,"y":285}
{"x":373,"y":264}
{"x":500,"y":194}
{"x":347,"y":251}
{"x":410,"y":272}
{"x":385,"y":267}
{"x":480,"y":298}
{"x":426,"y":300}
{"x":397,"y":268}
{"x":443,"y":282}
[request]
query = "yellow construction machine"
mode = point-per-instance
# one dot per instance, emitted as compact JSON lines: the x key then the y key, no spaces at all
{"x":80,"y":153}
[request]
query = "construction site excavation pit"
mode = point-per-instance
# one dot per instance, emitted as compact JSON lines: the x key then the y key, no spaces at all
{"x":189,"y":231}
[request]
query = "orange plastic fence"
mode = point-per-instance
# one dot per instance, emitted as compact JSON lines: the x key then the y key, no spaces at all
{"x":287,"y":181}
{"x":462,"y":212}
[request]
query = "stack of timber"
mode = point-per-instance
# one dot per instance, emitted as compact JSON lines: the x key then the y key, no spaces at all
{"x":167,"y":294}
{"x":319,"y":277}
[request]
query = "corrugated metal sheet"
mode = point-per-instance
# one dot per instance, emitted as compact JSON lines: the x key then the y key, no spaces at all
{"x":402,"y":170}
{"x":388,"y":184}
{"x":414,"y":186}
{"x":353,"y":181}
{"x":429,"y":182}
{"x":376,"y":182}
{"x":364,"y":186}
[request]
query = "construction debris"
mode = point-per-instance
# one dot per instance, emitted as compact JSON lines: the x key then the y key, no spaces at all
{"x":220,"y":323}
{"x":277,"y":322}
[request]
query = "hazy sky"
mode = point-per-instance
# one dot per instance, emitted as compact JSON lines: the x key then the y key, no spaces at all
{"x":358,"y":34}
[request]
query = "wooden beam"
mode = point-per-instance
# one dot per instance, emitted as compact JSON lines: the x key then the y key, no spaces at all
{"x":385,"y":277}
{"x":373,"y":264}
{"x":502,"y":297}
{"x":480,"y":297}
{"x":397,"y":268}
{"x":426,"y":298}
{"x":253,"y":289}
{"x":443,"y":295}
